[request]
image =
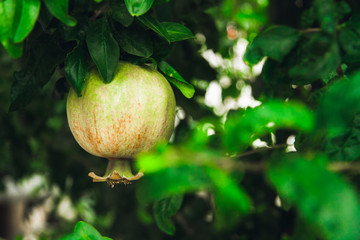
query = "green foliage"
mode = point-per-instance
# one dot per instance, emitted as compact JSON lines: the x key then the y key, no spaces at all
{"x":138,"y":7}
{"x":164,"y":209}
{"x":333,"y":208}
{"x":84,"y":230}
{"x":175,"y":78}
{"x":59,"y":9}
{"x":103,"y":48}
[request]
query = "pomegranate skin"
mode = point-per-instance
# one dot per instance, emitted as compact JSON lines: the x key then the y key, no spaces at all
{"x":120,"y":119}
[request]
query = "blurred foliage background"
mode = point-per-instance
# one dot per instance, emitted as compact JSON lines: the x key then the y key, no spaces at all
{"x":267,"y":148}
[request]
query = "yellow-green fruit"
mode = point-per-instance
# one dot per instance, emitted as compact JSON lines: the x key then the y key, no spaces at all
{"x":125,"y":117}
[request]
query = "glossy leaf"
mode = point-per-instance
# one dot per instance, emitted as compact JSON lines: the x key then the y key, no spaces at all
{"x":164,"y":209}
{"x":103,"y":48}
{"x":275,"y":43}
{"x":120,"y":14}
{"x":176,"y":31}
{"x":84,"y":230}
{"x":135,"y":41}
{"x":154,"y":25}
{"x":138,"y":7}
{"x":59,"y":9}
{"x":7,"y":19}
{"x":333,"y":208}
{"x":26,"y":14}
{"x":76,"y":68}
{"x":175,"y":78}
{"x":241,"y":129}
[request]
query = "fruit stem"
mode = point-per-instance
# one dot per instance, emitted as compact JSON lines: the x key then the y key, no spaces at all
{"x":118,"y":171}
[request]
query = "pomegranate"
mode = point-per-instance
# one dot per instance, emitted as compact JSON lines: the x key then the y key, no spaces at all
{"x":120,"y":119}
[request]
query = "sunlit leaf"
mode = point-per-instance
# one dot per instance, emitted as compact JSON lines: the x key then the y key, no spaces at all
{"x":175,"y":78}
{"x":138,"y":7}
{"x":103,"y":48}
{"x":333,"y":208}
{"x":59,"y":9}
{"x":242,"y":128}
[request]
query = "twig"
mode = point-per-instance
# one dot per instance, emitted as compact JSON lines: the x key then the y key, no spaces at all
{"x":261,"y":150}
{"x":310,"y":30}
{"x":99,"y":12}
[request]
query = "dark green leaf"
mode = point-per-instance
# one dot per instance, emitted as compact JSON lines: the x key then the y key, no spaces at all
{"x":350,"y":42}
{"x":135,"y":41}
{"x":275,"y":43}
{"x":315,"y":58}
{"x":345,"y":147}
{"x":338,"y":106}
{"x":241,"y":129}
{"x":46,"y":55}
{"x":326,"y":14}
{"x":7,"y":19}
{"x":138,"y":7}
{"x":120,"y":14}
{"x":332,"y":207}
{"x":342,"y":9}
{"x":175,"y":78}
{"x":76,"y":68}
{"x":176,"y":31}
{"x":164,"y":209}
{"x":172,"y":181}
{"x":59,"y":9}
{"x":103,"y":48}
{"x":154,"y":25}
{"x":231,"y":200}
{"x":25,"y":18}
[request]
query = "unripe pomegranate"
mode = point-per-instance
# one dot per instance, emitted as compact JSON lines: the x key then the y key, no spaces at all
{"x":123,"y":118}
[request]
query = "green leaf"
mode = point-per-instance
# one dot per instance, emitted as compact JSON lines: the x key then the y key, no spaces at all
{"x":175,"y":78}
{"x":7,"y":19}
{"x":345,"y":147}
{"x":45,"y":55}
{"x":338,"y":106}
{"x":154,"y":25}
{"x":325,"y":12}
{"x":120,"y":14}
{"x":316,"y":57}
{"x":59,"y":9}
{"x":332,"y":207}
{"x":172,"y":181}
{"x":275,"y":43}
{"x":76,"y":68}
{"x":164,"y":209}
{"x":103,"y":48}
{"x":350,"y":42}
{"x":86,"y":231}
{"x":242,"y":128}
{"x":135,"y":41}
{"x":138,"y":7}
{"x":176,"y":31}
{"x":26,"y":14}
{"x":231,"y":202}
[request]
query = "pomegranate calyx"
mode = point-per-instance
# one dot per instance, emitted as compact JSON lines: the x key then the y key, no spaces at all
{"x":115,"y":178}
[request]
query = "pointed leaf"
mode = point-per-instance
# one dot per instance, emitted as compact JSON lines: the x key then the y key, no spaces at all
{"x":154,"y":25}
{"x":76,"y":68}
{"x":275,"y":43}
{"x":176,"y":31}
{"x":26,"y":14}
{"x":138,"y":7}
{"x":103,"y":48}
{"x":164,"y":209}
{"x":59,"y":9}
{"x":135,"y":41}
{"x":175,"y":78}
{"x":120,"y":14}
{"x":86,"y":231}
